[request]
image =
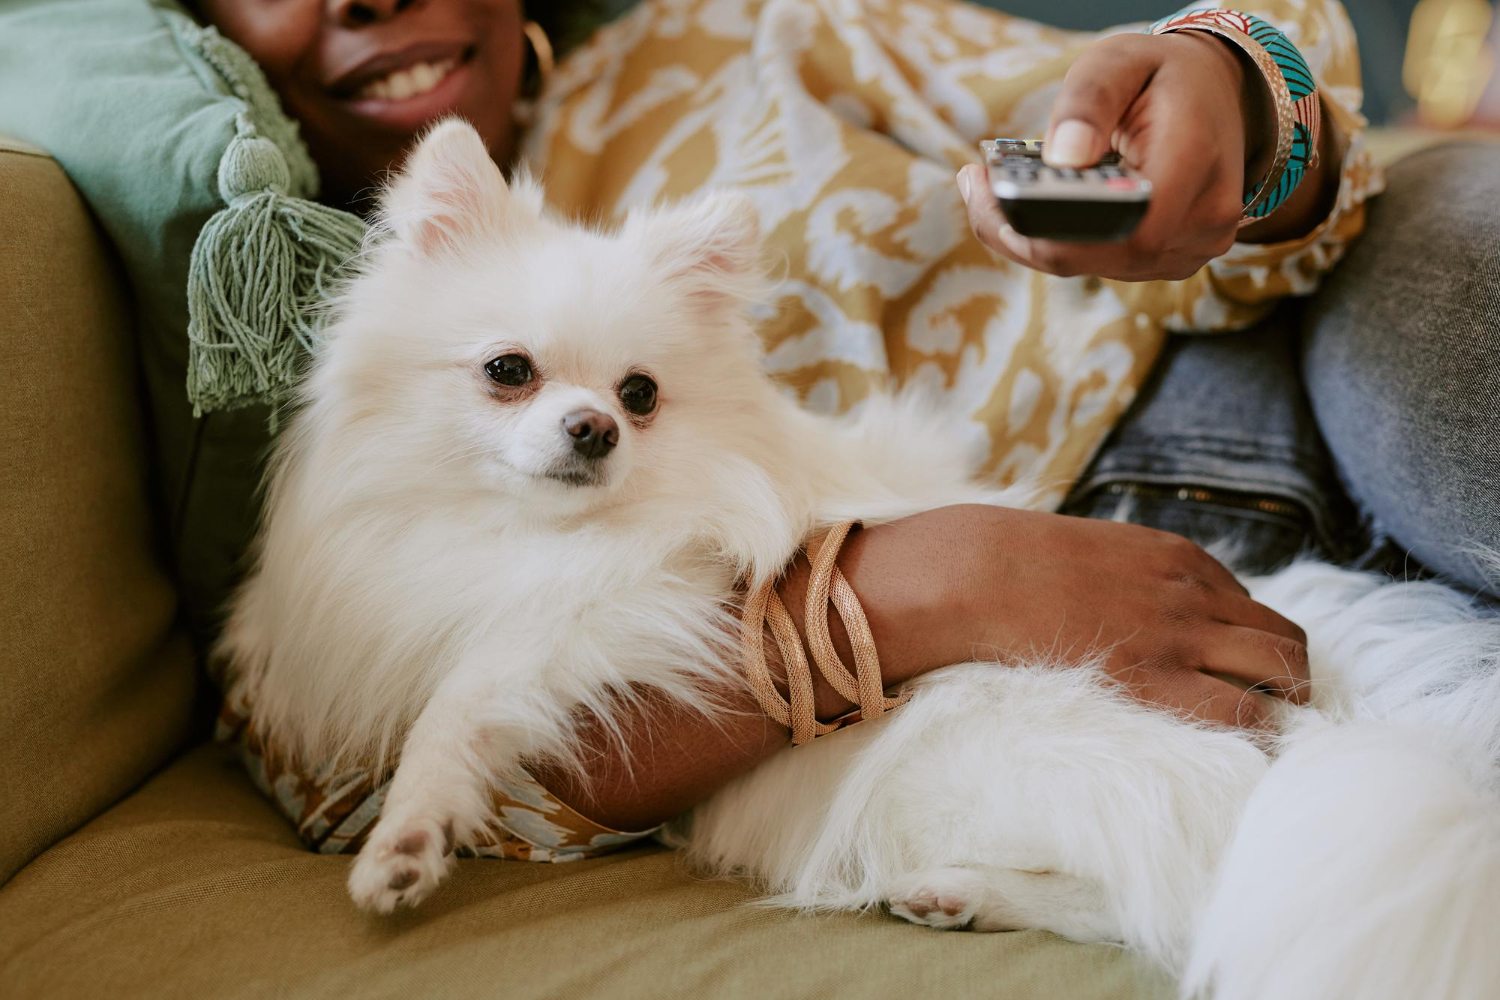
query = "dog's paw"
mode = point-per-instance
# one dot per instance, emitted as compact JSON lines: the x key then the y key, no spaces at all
{"x":401,"y":864}
{"x":947,"y":898}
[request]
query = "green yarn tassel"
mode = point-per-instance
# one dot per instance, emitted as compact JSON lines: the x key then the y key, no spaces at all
{"x":259,"y":272}
{"x":262,"y":265}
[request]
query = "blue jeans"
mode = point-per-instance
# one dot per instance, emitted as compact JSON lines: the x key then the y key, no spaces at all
{"x":1362,"y":425}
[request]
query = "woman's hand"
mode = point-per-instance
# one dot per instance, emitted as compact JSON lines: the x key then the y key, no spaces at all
{"x":1192,"y":115}
{"x":1171,"y":623}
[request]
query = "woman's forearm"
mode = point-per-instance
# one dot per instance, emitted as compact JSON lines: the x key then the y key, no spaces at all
{"x":1171,"y":625}
{"x":668,"y":758}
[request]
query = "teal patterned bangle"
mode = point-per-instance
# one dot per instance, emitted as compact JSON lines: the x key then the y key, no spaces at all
{"x":1293,"y":93}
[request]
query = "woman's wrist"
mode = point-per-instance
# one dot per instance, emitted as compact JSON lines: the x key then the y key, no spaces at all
{"x":1311,"y":202}
{"x":657,"y":758}
{"x":1286,"y":109}
{"x":1310,"y":205}
{"x":1257,"y":106}
{"x":915,"y":579}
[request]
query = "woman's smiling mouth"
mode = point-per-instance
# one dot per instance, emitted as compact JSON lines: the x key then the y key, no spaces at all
{"x":401,"y":84}
{"x":406,"y":89}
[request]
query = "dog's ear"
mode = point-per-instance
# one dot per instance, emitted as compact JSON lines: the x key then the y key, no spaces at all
{"x":450,"y":192}
{"x":709,"y":245}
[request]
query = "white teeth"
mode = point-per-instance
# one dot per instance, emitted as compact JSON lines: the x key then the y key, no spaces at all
{"x":408,"y":82}
{"x":400,"y":85}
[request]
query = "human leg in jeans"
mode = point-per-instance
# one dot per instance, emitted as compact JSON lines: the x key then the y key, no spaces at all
{"x":1221,"y":446}
{"x":1401,"y":356}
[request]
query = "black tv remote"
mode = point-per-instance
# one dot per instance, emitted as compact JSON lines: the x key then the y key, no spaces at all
{"x":1098,"y":204}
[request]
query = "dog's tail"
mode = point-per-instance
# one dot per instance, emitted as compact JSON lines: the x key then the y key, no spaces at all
{"x":1367,"y":865}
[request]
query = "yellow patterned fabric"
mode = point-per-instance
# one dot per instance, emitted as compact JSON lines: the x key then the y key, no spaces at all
{"x":844,"y":121}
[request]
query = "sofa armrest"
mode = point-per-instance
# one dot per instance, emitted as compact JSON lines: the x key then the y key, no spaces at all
{"x":96,"y":684}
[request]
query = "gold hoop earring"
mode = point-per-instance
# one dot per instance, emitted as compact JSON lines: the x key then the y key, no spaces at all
{"x":541,"y":48}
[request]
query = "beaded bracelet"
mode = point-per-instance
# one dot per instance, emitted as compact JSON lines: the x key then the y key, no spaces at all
{"x":1293,"y":92}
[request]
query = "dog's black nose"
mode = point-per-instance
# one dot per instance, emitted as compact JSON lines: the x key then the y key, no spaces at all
{"x":593,"y":433}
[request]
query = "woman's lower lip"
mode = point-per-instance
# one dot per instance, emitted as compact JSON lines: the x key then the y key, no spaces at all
{"x":411,"y":113}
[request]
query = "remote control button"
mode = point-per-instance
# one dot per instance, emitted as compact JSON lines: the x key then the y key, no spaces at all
{"x":1111,"y":172}
{"x":1068,"y":174}
{"x":1120,"y":184}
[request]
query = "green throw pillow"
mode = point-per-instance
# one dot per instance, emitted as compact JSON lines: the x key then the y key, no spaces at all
{"x":181,"y":150}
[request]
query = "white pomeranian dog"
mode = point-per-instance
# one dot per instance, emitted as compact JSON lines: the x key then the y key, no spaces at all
{"x":532,"y":466}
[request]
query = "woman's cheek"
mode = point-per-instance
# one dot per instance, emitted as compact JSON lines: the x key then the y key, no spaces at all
{"x":281,"y":35}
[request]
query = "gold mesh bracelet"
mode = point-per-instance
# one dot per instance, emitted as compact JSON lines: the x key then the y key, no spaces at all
{"x":827,"y":588}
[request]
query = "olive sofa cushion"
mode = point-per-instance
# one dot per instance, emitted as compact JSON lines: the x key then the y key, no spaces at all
{"x":95,"y":684}
{"x":195,"y":887}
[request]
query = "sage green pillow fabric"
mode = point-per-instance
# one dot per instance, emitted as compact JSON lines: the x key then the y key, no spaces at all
{"x":182,"y":153}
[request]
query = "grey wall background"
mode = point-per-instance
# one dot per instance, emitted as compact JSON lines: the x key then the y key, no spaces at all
{"x":1380,"y":24}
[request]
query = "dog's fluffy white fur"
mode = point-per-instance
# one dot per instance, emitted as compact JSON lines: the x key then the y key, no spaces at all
{"x":440,"y":577}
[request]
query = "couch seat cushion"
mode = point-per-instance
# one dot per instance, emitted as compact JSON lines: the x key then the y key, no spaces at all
{"x":195,"y":887}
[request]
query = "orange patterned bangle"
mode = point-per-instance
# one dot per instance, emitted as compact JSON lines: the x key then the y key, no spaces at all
{"x":1294,"y":96}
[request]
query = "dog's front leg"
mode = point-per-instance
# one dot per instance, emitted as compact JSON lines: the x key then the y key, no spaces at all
{"x":439,"y":795}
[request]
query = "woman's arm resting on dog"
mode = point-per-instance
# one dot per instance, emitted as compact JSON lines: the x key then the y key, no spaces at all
{"x":965,"y":583}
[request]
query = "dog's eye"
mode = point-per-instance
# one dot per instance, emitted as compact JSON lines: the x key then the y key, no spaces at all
{"x":509,"y":369}
{"x":638,"y":394}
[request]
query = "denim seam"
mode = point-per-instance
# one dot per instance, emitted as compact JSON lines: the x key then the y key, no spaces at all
{"x":1262,"y":471}
{"x":1305,"y":497}
{"x":1219,"y":446}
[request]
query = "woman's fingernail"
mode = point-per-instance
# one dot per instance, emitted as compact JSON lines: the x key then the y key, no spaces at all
{"x":963,"y":183}
{"x":1072,"y":144}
